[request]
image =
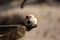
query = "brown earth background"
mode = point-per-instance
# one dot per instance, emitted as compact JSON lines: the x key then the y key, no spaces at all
{"x":48,"y":16}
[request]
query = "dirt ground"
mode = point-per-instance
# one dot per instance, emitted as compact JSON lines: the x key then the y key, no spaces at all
{"x":48,"y":22}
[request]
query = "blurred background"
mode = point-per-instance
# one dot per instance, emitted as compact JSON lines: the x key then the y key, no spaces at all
{"x":47,"y":13}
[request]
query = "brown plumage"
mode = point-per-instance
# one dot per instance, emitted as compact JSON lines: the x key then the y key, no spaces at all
{"x":14,"y":19}
{"x":17,"y":19}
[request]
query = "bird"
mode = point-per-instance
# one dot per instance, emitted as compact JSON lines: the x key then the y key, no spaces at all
{"x":26,"y":20}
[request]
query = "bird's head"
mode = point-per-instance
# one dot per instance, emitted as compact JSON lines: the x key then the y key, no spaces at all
{"x":30,"y":22}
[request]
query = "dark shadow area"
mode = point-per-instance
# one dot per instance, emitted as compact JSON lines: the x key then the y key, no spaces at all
{"x":57,"y":1}
{"x":37,"y":2}
{"x":3,"y":2}
{"x":41,"y":1}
